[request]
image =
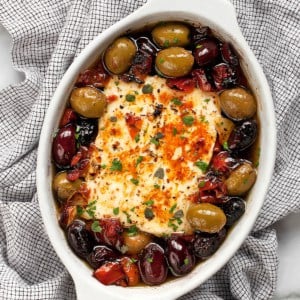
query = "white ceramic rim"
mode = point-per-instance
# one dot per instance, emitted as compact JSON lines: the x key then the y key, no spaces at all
{"x":219,"y":15}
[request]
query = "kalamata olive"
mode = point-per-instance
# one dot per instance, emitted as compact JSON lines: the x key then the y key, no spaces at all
{"x":145,"y":44}
{"x":206,"y":244}
{"x":79,"y":238}
{"x":234,"y":208}
{"x":100,"y":255}
{"x":180,"y":258}
{"x":119,"y":55}
{"x":243,"y":136}
{"x":63,"y":187}
{"x":238,"y":104}
{"x":206,"y":217}
{"x":64,"y":146}
{"x":240,"y":180}
{"x":224,"y":128}
{"x":88,"y":102}
{"x":152,"y":265}
{"x":228,"y":55}
{"x":174,"y":62}
{"x":88,"y":130}
{"x":206,"y":51}
{"x":135,"y":242}
{"x":224,"y":76}
{"x":171,"y":34}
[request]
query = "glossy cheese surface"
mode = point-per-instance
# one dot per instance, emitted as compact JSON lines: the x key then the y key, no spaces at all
{"x":153,"y":145}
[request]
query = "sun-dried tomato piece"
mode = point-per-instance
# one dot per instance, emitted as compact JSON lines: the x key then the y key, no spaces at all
{"x":185,"y":84}
{"x":97,"y":77}
{"x":110,"y":273}
{"x":67,"y":215}
{"x":201,"y":79}
{"x":131,"y":271}
{"x":69,"y":116}
{"x":111,"y":233}
{"x":222,"y":162}
{"x":73,"y":174}
{"x":224,"y":76}
{"x":134,"y":124}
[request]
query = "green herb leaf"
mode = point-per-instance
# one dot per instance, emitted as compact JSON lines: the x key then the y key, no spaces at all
{"x":137,"y":138}
{"x":149,"y":259}
{"x":166,"y":43}
{"x":148,"y":213}
{"x":201,"y":165}
{"x":127,"y":216}
{"x":161,"y":61}
{"x":173,"y":207}
{"x":206,"y":100}
{"x":175,"y":131}
{"x":149,"y":202}
{"x":139,"y":160}
{"x":177,"y":101}
{"x":116,"y":210}
{"x":159,"y":173}
{"x":96,"y":226}
{"x":186,"y":261}
{"x":201,"y":184}
{"x":156,"y":186}
{"x":147,"y":89}
{"x":132,"y":231}
{"x":225,"y":146}
{"x":116,"y":165}
{"x":175,"y":40}
{"x":91,"y":208}
{"x":79,"y":210}
{"x":133,"y":260}
{"x":103,"y":166}
{"x":134,"y":181}
{"x":154,"y":141}
{"x":172,"y":225}
{"x":130,"y":98}
{"x":188,"y":120}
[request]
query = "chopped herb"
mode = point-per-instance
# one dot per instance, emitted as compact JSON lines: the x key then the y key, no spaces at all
{"x":201,"y":184}
{"x":116,"y":165}
{"x":159,"y":173}
{"x":173,"y":207}
{"x":96,"y":226}
{"x":127,"y":216}
{"x":148,"y":213}
{"x":206,"y":100}
{"x":132,"y":209}
{"x":166,"y":43}
{"x":134,"y":181}
{"x":137,"y":138}
{"x":79,"y":210}
{"x":175,"y":131}
{"x":147,"y":89}
{"x":188,"y":120}
{"x":149,"y":259}
{"x":245,"y":181}
{"x":175,"y":40}
{"x":139,"y":160}
{"x":133,"y":260}
{"x":179,"y":221}
{"x":159,"y":136}
{"x":103,"y":166}
{"x":161,"y":61}
{"x":156,"y":186}
{"x":136,"y":92}
{"x":130,"y":98}
{"x":171,"y":224}
{"x":91,"y":208}
{"x":225,"y":146}
{"x":256,"y":164}
{"x":117,"y":83}
{"x":198,"y":46}
{"x":186,"y":261}
{"x":154,"y":141}
{"x":201,"y":165}
{"x":132,"y":231}
{"x":113,"y":119}
{"x":149,"y":202}
{"x":178,"y":214}
{"x":177,"y":101}
{"x":116,"y":211}
{"x":202,"y":119}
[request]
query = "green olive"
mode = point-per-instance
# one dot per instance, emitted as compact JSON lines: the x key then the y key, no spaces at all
{"x":171,"y":34}
{"x":206,"y":217}
{"x":174,"y":62}
{"x":63,"y":187}
{"x":88,"y":102}
{"x":119,"y":55}
{"x":238,"y":104}
{"x":240,"y":180}
{"x":136,"y":242}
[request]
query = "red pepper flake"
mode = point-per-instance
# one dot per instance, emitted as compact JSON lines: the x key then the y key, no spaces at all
{"x":111,"y":98}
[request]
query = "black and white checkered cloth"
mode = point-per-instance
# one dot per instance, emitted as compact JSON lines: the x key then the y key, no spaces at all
{"x":47,"y":35}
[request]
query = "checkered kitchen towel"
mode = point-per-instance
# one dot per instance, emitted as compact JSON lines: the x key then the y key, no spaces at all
{"x":47,"y":36}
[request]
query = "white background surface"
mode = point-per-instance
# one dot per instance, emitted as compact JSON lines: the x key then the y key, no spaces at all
{"x":288,"y":229}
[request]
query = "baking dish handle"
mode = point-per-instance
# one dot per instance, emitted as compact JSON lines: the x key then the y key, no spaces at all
{"x":221,"y":12}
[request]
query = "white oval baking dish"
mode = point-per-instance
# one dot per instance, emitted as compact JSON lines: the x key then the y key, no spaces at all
{"x":220,"y":16}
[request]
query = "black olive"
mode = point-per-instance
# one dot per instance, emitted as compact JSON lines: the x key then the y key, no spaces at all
{"x":87,"y":131}
{"x":234,"y":208}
